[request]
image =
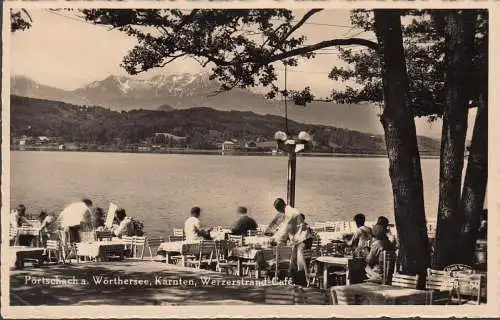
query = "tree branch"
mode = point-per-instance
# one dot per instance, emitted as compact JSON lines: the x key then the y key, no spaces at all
{"x":320,"y":45}
{"x":304,"y":19}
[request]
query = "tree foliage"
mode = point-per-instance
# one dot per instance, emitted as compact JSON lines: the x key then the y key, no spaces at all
{"x":424,"y":45}
{"x":239,"y":44}
{"x":20,"y":20}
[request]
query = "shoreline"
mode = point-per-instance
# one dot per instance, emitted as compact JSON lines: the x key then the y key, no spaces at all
{"x":219,"y":153}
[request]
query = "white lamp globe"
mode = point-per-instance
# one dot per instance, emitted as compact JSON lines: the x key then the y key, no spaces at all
{"x":304,"y":136}
{"x":280,"y":136}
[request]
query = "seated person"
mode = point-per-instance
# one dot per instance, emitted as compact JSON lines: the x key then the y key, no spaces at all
{"x":47,"y":227}
{"x":280,"y":205}
{"x":360,"y":241}
{"x":192,"y":227}
{"x":125,"y":226}
{"x":384,"y":222}
{"x":17,"y":219}
{"x":244,"y":223}
{"x":98,"y":219}
{"x":380,"y":243}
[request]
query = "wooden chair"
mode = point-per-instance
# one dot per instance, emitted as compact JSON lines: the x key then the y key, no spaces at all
{"x":404,"y":281}
{"x":153,"y":242}
{"x":204,"y":255}
{"x":175,"y":238}
{"x":237,"y":240}
{"x":104,"y":235}
{"x":129,"y":245}
{"x":469,"y":289}
{"x":54,"y":247}
{"x":222,"y":260}
{"x":283,"y":295}
{"x":179,"y":233}
{"x":280,"y":262}
{"x":438,"y":283}
{"x":388,"y":265}
{"x":13,"y":237}
{"x":339,"y":297}
{"x":252,"y":233}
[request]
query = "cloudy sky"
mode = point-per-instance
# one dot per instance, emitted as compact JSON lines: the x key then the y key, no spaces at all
{"x":64,"y":51}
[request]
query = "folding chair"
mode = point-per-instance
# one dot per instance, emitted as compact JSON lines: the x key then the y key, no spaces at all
{"x":439,"y":285}
{"x":222,"y":260}
{"x":152,"y":242}
{"x":237,"y":240}
{"x":204,"y":256}
{"x":54,"y":247}
{"x":251,"y":233}
{"x":281,"y":261}
{"x":179,"y":233}
{"x":175,"y":238}
{"x":129,"y":245}
{"x":469,"y":289}
{"x":388,"y":265}
{"x":404,"y":281}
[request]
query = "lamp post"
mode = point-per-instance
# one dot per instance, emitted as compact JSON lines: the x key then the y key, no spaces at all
{"x":292,"y":146}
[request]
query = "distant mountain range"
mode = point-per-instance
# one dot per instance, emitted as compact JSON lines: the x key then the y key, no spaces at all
{"x":182,"y":91}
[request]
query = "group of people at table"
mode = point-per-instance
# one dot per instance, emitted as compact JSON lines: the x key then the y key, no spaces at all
{"x":289,"y":227}
{"x":68,"y":226}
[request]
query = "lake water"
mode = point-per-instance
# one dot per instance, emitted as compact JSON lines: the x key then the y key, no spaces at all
{"x":160,"y":189}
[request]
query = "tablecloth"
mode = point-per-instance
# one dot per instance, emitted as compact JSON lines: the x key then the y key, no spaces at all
{"x":96,"y":249}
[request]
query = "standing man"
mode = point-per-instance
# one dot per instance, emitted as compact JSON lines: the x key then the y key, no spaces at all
{"x":280,"y":205}
{"x":244,"y":223}
{"x":71,"y":218}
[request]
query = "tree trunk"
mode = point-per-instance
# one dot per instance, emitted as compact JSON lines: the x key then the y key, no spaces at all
{"x":459,"y":41}
{"x":474,"y":190}
{"x":402,"y":150}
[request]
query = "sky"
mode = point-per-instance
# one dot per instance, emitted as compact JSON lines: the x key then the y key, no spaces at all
{"x":64,"y":51}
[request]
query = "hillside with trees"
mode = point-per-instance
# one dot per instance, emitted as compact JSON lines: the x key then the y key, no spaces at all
{"x":203,"y":128}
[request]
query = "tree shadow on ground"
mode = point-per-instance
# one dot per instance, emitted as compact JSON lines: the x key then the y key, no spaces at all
{"x":25,"y":291}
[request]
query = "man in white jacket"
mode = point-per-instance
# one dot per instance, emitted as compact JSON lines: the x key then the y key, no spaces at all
{"x":72,"y":216}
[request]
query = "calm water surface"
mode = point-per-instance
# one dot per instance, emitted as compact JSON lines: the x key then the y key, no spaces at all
{"x":160,"y":189}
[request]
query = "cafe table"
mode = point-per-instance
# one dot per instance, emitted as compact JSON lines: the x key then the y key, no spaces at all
{"x":183,"y":248}
{"x":28,"y":231}
{"x":261,"y":256}
{"x":101,"y":250}
{"x":19,"y":254}
{"x":369,"y":293}
{"x":339,"y":262}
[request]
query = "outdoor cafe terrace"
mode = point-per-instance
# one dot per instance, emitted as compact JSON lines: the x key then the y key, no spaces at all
{"x":226,"y":270}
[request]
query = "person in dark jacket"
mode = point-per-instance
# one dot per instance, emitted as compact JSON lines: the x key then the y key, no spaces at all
{"x":244,"y":223}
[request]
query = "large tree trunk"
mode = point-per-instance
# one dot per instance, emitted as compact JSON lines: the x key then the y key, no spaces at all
{"x":402,"y":149}
{"x":459,"y":40}
{"x":474,"y":190}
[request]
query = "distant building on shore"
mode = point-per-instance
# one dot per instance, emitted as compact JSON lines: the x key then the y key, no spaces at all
{"x":227,"y":146}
